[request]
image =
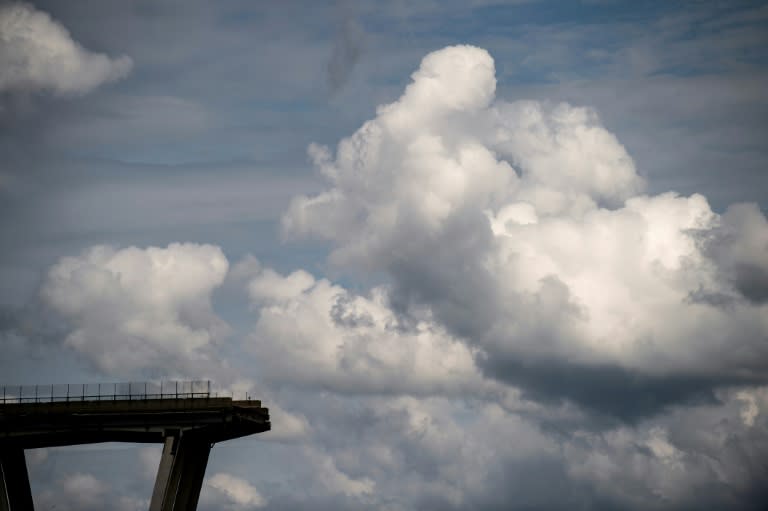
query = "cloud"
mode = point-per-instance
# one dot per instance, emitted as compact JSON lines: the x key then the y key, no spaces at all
{"x":90,"y":491}
{"x":149,"y":461}
{"x":673,"y":461}
{"x":524,"y":231}
{"x":136,"y":308}
{"x":331,"y":480}
{"x":739,"y":247}
{"x":84,"y":492}
{"x":310,"y":332}
{"x":238,"y":491}
{"x":286,"y":426}
{"x":447,"y":453}
{"x":538,"y":321}
{"x":38,"y":53}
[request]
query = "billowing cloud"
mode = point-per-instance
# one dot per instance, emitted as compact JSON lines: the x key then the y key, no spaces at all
{"x":312,"y":332}
{"x":686,"y":457}
{"x":238,"y":491}
{"x":445,"y":453}
{"x":335,"y":481}
{"x":538,"y":321}
{"x":139,"y":308}
{"x":38,"y":53}
{"x":523,"y":229}
{"x":84,"y":492}
{"x":739,"y":248}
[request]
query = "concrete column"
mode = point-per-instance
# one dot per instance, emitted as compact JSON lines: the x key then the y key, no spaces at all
{"x":196,"y":454}
{"x":180,"y":474}
{"x":15,"y":489}
{"x":4,"y":504}
{"x":162,"y":481}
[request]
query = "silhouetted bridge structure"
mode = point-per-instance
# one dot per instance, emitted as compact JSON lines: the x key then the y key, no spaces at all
{"x":183,"y":416}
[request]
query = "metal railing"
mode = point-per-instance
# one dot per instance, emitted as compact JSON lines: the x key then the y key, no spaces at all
{"x":127,"y":391}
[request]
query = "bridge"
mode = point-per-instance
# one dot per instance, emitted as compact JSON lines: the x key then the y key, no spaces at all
{"x":186,"y":417}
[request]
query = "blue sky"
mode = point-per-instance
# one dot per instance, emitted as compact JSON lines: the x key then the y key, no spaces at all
{"x":522,"y":236}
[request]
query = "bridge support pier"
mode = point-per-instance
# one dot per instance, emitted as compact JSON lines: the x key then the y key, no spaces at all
{"x":180,"y":474}
{"x":15,"y":492}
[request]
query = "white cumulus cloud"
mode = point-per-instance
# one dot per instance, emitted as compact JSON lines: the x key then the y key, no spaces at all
{"x":312,"y":332}
{"x":139,"y":308}
{"x":237,"y":490}
{"x":523,"y":228}
{"x":38,"y":53}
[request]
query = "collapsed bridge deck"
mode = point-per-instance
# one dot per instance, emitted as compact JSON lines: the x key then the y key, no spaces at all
{"x":187,"y":426}
{"x":35,"y":425}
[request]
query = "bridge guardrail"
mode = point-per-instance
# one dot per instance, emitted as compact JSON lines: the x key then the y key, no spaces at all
{"x":124,"y":391}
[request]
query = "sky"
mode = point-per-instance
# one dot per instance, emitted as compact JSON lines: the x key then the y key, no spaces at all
{"x":473,"y":255}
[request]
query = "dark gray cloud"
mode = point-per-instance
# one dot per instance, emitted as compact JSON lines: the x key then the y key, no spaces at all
{"x":739,"y":247}
{"x":616,"y":393}
{"x":751,"y":281}
{"x":421,"y":455}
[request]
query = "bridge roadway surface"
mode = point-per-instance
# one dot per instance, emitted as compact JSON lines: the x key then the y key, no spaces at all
{"x":187,"y":428}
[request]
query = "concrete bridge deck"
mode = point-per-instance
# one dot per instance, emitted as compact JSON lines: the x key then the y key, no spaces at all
{"x":35,"y":425}
{"x":187,"y":428}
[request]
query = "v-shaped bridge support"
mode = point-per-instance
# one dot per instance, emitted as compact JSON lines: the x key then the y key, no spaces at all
{"x":180,"y":475}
